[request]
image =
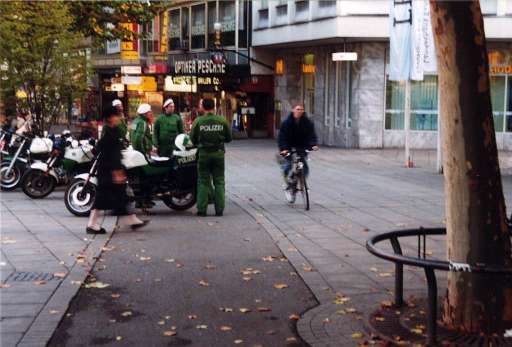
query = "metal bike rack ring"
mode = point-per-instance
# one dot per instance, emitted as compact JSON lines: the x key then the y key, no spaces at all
{"x":429,"y":266}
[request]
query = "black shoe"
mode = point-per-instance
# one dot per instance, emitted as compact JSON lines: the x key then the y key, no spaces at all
{"x":201,"y":214}
{"x":219,"y":214}
{"x":92,"y":231}
{"x":139,"y":225}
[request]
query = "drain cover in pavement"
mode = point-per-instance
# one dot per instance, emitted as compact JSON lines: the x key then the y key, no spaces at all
{"x":27,"y":276}
{"x":407,"y":326}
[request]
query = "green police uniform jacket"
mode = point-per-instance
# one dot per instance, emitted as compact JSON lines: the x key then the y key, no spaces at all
{"x":210,"y":132}
{"x":165,"y":130}
{"x":141,"y":135}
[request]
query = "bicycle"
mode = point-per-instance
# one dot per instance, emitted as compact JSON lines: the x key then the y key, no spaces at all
{"x":297,"y":178}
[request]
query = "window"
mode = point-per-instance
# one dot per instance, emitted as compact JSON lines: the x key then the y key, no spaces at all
{"x":198,"y":30}
{"x":326,"y":3}
{"x":227,"y":18}
{"x":395,"y":104}
{"x":424,"y":110}
{"x":212,"y":18}
{"x":501,"y":98}
{"x":243,"y":17}
{"x":263,"y":14}
{"x":174,"y":30}
{"x":184,"y":27}
{"x":424,"y":104}
{"x":308,"y":82}
{"x":150,"y":34}
{"x":301,"y":10}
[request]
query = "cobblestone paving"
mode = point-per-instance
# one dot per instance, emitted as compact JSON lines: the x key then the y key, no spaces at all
{"x":355,"y":194}
{"x":45,"y":254}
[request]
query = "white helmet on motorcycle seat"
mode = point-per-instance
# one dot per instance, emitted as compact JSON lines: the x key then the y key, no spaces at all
{"x":182,"y":142}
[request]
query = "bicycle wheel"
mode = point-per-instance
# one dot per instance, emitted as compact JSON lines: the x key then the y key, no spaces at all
{"x":303,"y":187}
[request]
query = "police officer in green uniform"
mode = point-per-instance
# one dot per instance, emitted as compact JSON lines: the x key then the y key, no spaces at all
{"x":209,"y":133}
{"x":141,"y":130}
{"x":167,"y":127}
{"x":123,"y":125}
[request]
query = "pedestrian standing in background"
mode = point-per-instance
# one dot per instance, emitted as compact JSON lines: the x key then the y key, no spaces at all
{"x":111,"y":191}
{"x":209,"y":133}
{"x":123,"y":125}
{"x":141,"y":137}
{"x":167,"y":127}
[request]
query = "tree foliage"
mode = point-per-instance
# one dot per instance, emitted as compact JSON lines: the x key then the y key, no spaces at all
{"x":43,"y":60}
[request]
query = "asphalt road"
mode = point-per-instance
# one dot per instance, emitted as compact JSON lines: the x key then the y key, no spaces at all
{"x":205,"y":281}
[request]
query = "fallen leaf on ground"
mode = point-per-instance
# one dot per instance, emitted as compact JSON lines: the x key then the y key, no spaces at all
{"x":292,"y":249}
{"x":327,"y":320}
{"x":4,"y":285}
{"x":270,"y":332}
{"x":145,"y":258}
{"x":365,"y":230}
{"x":167,"y":317}
{"x":264,"y":309}
{"x":53,"y":311}
{"x":309,"y":269}
{"x":76,"y":282}
{"x":244,"y":310}
{"x":293,"y":274}
{"x":169,"y":260}
{"x":40,"y":283}
{"x":112,"y":320}
{"x":247,"y":278}
{"x":106,"y":249}
{"x":225,"y":328}
{"x":161,"y":322}
{"x":386,"y":303}
{"x":280,"y":286}
{"x":294,"y":317}
{"x":374,"y":269}
{"x":119,"y":338}
{"x":158,"y":280}
{"x":191,"y":316}
{"x":115,"y":295}
{"x":8,"y":242}
{"x":99,"y":285}
{"x":379,"y":318}
{"x":204,"y":283}
{"x":417,"y":331}
{"x":269,"y":258}
{"x":60,"y":274}
{"x":385,"y":274}
{"x":226,"y":309}
{"x":351,"y":310}
{"x":291,"y":339}
{"x":126,"y":313}
{"x":357,"y":335}
{"x":169,"y":333}
{"x":340,"y":299}
{"x":210,"y":267}
{"x":237,"y":342}
{"x":179,"y":265}
{"x":202,"y":327}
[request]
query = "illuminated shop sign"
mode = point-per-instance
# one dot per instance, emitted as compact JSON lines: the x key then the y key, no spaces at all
{"x":199,"y":66}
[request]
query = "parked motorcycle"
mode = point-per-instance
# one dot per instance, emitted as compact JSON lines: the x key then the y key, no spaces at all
{"x":173,"y":180}
{"x":18,"y":152}
{"x":69,"y":158}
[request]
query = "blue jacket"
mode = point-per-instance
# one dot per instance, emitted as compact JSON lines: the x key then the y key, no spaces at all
{"x":297,"y":134}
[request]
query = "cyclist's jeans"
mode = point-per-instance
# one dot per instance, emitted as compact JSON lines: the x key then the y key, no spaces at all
{"x":286,"y":166}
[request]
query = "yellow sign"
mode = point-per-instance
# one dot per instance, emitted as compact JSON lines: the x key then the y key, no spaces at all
{"x":500,"y":62}
{"x":165,"y":32}
{"x":308,"y":68}
{"x":279,"y":68}
{"x":148,"y":84}
{"x":129,"y":55}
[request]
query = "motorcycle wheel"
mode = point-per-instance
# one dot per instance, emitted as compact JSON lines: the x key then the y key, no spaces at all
{"x":37,"y":184}
{"x":9,"y":180}
{"x":181,"y":203}
{"x":79,"y":198}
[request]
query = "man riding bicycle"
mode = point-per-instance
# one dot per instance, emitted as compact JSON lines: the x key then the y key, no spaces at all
{"x":297,"y":132}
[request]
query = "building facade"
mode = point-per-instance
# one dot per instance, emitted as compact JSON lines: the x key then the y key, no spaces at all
{"x":352,"y":103}
{"x":191,"y":50}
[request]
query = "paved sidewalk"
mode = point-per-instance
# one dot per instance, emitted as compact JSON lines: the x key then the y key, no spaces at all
{"x":45,"y":255}
{"x":355,"y":194}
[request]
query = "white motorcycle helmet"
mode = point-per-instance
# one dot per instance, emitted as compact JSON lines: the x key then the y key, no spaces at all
{"x":182,"y":142}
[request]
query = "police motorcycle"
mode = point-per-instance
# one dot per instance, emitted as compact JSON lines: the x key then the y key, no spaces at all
{"x":68,"y":158}
{"x":173,"y":180}
{"x":17,"y":152}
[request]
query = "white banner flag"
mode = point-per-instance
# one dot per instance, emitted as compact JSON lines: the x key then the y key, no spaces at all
{"x":412,"y":51}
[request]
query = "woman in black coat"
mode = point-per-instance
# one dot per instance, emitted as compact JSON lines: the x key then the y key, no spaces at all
{"x":111,"y":192}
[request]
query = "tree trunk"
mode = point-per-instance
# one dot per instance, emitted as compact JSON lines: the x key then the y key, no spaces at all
{"x":475,"y":207}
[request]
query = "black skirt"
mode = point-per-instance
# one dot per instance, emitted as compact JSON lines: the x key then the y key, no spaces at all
{"x":112,"y":197}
